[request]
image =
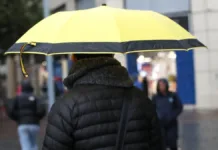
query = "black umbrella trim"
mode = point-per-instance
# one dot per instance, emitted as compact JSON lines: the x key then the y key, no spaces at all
{"x":109,"y":47}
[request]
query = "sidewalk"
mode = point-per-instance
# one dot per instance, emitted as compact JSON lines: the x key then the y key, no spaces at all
{"x":8,"y":135}
{"x":198,"y":131}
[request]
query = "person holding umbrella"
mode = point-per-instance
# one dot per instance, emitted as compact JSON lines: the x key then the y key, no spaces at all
{"x":102,"y":109}
{"x":87,"y":117}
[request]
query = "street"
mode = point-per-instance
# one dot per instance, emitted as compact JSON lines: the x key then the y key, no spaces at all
{"x":198,"y":131}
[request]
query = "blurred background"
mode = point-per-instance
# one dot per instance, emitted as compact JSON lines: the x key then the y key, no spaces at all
{"x":193,"y":74}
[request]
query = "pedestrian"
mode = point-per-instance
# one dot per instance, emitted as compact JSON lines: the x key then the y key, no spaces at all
{"x":57,"y":90}
{"x":27,"y":111}
{"x":142,"y":84}
{"x":102,"y":110}
{"x":169,"y":107}
{"x":138,"y":82}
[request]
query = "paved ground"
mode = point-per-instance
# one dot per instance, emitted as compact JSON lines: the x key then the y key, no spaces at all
{"x":198,"y":131}
{"x":8,"y":135}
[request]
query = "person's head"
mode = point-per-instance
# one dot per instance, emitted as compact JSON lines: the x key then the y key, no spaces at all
{"x":77,"y":57}
{"x":162,"y":86}
{"x":27,"y":87}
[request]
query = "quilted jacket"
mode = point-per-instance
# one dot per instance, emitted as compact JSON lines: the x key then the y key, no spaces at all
{"x":87,"y":117}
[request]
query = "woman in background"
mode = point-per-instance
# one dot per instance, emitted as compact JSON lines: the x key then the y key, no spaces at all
{"x":168,"y":107}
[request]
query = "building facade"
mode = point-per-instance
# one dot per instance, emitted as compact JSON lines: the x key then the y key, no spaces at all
{"x":204,"y":25}
{"x":197,"y":70}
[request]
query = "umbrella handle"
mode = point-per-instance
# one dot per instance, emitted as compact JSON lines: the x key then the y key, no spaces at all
{"x":25,"y":74}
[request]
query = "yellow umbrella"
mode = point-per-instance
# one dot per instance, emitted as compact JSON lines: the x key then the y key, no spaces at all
{"x":104,"y":30}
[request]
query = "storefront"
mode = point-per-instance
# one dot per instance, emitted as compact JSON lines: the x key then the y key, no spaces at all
{"x":156,"y":66}
{"x":177,"y":10}
{"x":178,"y":65}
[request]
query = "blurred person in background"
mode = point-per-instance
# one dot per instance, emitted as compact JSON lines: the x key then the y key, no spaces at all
{"x":27,"y":110}
{"x":168,"y":107}
{"x":57,"y":90}
{"x":19,"y":89}
{"x":88,"y":116}
{"x":142,"y":83}
{"x":172,"y":83}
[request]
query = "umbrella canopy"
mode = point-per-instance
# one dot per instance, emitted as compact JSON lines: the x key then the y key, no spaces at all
{"x":104,"y":30}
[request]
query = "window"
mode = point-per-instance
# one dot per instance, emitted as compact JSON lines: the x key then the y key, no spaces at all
{"x":84,"y":4}
{"x":59,"y":8}
{"x":182,"y":21}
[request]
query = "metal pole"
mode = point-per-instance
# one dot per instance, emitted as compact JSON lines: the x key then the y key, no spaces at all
{"x":64,"y":65}
{"x":49,"y":59}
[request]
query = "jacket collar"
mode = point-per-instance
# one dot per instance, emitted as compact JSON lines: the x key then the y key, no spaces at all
{"x":98,"y":71}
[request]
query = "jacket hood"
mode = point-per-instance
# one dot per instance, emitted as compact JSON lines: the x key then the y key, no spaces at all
{"x":166,"y":83}
{"x":98,"y":71}
{"x":27,"y":87}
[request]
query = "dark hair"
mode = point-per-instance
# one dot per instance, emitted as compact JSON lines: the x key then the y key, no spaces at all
{"x":165,"y":81}
{"x":27,"y":87}
{"x":87,"y":56}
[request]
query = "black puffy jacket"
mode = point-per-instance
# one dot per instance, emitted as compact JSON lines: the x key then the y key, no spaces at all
{"x":87,"y":118}
{"x":26,"y":108}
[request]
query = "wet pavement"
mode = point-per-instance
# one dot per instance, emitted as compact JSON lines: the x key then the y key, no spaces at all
{"x":198,"y":131}
{"x":8,"y":134}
